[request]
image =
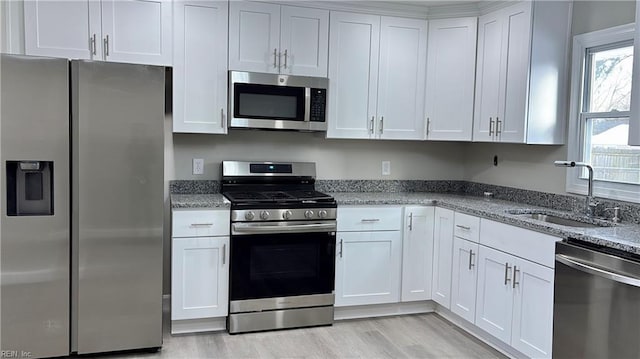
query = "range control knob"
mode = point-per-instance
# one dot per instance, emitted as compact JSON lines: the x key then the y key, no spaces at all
{"x":286,"y":214}
{"x":249,"y":216}
{"x":322,"y":213}
{"x":264,"y":215}
{"x":308,"y":214}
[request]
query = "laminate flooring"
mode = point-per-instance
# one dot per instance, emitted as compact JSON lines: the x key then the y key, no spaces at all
{"x":408,"y":336}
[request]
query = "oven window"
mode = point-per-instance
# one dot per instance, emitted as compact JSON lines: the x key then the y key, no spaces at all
{"x":267,"y":266}
{"x":269,"y":102}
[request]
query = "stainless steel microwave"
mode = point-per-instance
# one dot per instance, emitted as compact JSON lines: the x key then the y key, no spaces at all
{"x":277,"y":102}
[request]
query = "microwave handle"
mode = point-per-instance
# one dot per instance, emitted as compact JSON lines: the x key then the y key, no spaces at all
{"x":307,"y":104}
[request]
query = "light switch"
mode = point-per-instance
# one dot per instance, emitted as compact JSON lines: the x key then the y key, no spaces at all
{"x":386,"y":168}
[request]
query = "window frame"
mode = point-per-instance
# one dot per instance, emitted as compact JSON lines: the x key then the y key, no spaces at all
{"x":577,"y":120}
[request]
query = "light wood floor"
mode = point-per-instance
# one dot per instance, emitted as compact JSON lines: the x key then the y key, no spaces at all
{"x":410,"y":336}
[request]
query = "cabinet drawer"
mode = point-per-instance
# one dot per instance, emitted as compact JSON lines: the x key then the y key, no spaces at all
{"x":198,"y":223}
{"x":369,"y":219}
{"x":534,"y":246}
{"x":466,"y":227}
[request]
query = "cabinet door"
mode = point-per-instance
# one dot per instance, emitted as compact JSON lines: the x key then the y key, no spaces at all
{"x":532,"y":332}
{"x":403,"y":59}
{"x":417,"y":253}
{"x":353,"y":75}
{"x":516,"y":45}
{"x":451,"y":70}
{"x":62,"y":29}
{"x":254,"y":36}
{"x":137,"y":31}
{"x":304,"y":41}
{"x":488,"y":77}
{"x":200,"y":66}
{"x":442,"y":256}
{"x":465,"y":278}
{"x":368,"y":268}
{"x":199,"y":277}
{"x":494,"y":301}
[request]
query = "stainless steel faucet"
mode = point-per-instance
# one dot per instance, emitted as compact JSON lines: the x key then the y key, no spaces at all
{"x":592,"y":204}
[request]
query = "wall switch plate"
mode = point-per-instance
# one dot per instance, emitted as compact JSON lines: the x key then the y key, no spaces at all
{"x":386,"y":168}
{"x":198,"y":166}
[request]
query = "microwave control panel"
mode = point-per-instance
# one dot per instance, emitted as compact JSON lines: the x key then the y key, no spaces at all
{"x":318,"y":105}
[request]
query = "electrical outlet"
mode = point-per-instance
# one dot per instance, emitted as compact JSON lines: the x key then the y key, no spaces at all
{"x":198,"y":166}
{"x":386,"y":168}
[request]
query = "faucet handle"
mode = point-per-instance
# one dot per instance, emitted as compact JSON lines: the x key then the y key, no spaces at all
{"x":616,"y":214}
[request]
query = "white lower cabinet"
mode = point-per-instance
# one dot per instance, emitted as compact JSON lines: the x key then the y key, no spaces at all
{"x":417,"y":253}
{"x":199,"y":269}
{"x":464,"y":278}
{"x":199,"y":277}
{"x":515,"y":302}
{"x":368,"y":268}
{"x":442,"y":256}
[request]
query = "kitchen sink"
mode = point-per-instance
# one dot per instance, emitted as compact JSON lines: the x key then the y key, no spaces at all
{"x":561,"y":219}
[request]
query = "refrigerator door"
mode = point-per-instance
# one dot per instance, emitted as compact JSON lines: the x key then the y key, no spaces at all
{"x":117,"y":211}
{"x":34,"y":263}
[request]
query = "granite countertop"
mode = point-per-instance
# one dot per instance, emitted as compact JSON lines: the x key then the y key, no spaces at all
{"x":213,"y":200}
{"x":621,"y":236}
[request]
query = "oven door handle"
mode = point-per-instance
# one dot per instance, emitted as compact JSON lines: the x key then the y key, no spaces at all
{"x":584,"y":267}
{"x":252,"y":228}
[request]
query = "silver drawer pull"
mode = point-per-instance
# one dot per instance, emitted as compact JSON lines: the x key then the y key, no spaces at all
{"x":471,"y":254}
{"x":463,"y":227}
{"x":515,"y":274}
{"x":506,"y":273}
{"x":370,"y":220}
{"x":192,"y":225}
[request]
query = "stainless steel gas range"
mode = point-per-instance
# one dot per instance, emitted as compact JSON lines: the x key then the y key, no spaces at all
{"x":283,"y":236}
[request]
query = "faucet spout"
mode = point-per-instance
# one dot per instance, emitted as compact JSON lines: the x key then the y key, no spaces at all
{"x":592,"y":204}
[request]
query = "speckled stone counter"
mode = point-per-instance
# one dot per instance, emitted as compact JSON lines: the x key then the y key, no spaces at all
{"x":209,"y":200}
{"x":621,"y":236}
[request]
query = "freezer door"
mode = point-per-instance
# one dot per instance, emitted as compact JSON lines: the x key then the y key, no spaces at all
{"x":118,"y":149}
{"x":34,"y":263}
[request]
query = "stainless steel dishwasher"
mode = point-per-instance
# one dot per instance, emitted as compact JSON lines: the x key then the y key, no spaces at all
{"x":596,"y":302}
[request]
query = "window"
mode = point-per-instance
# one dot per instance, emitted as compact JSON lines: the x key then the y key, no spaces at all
{"x":599,"y":127}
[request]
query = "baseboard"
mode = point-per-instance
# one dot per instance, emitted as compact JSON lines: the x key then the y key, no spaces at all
{"x":383,"y":310}
{"x":186,"y":326}
{"x":483,"y":336}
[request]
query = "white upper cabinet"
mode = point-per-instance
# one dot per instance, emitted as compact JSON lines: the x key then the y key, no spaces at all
{"x":278,"y":39}
{"x":451,"y":69}
{"x":521,"y":73}
{"x":133,"y":31}
{"x":200,"y":66}
{"x":376,"y":77}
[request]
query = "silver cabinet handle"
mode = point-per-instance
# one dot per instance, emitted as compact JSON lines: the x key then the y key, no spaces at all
{"x":506,"y":273}
{"x":471,"y":254}
{"x":275,"y":58}
{"x":370,"y":220}
{"x":498,"y":126}
{"x":515,"y":273}
{"x":222,"y":117}
{"x":92,"y":44}
{"x":463,"y":227}
{"x":224,"y":254}
{"x":411,"y":221}
{"x":584,"y":267}
{"x":194,"y":225}
{"x":490,"y":126}
{"x":371,"y":129}
{"x":285,"y":59}
{"x":381,"y":124}
{"x":428,"y":125}
{"x":106,"y":46}
{"x":341,"y":248}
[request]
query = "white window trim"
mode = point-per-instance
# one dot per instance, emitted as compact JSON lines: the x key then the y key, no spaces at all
{"x":619,"y":191}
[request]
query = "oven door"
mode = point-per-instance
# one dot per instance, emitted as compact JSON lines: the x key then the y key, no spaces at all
{"x":285,"y":264}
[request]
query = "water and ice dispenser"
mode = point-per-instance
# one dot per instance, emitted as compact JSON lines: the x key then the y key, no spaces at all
{"x":30,"y":188}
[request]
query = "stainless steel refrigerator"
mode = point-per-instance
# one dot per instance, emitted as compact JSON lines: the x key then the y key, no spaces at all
{"x":82,"y":146}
